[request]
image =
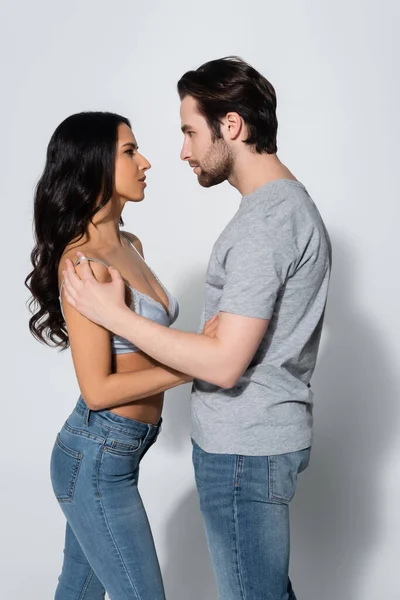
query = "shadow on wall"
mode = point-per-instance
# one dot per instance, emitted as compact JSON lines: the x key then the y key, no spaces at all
{"x":187,"y":573}
{"x":335,"y":521}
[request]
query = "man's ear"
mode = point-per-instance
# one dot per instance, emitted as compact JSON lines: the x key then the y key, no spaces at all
{"x":233,"y":124}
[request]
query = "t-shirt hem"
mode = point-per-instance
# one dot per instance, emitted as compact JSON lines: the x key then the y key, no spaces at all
{"x":245,"y":311}
{"x":261,"y":450}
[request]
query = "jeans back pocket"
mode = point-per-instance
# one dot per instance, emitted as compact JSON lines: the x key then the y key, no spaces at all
{"x":64,"y":469}
{"x":283,"y":472}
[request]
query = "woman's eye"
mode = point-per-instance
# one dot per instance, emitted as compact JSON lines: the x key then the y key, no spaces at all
{"x":130,"y":152}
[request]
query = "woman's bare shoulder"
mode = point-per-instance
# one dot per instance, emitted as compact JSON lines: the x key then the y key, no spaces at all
{"x":135,"y":241}
{"x":100,"y":268}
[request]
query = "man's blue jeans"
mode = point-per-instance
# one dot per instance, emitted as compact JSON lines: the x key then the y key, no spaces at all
{"x":245,"y":505}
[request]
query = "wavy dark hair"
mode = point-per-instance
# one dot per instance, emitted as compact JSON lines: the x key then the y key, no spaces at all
{"x":231,"y":85}
{"x":77,"y":182}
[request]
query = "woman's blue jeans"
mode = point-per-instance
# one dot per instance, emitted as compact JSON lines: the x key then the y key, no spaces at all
{"x":94,"y":473}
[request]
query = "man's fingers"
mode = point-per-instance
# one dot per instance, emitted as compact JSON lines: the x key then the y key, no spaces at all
{"x":115,"y":274}
{"x":70,"y":275}
{"x":85,"y":270}
{"x":70,"y":287}
{"x":69,"y":299}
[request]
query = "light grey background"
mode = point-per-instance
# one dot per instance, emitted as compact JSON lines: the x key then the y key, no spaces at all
{"x":335,"y":68}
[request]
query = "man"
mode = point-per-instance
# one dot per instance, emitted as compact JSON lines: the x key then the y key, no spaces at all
{"x":267,"y":281}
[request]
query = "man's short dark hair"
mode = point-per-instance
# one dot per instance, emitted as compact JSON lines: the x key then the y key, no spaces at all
{"x":231,"y":85}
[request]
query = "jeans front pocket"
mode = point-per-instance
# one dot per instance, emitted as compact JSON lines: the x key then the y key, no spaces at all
{"x":283,"y":472}
{"x":64,"y":469}
{"x":125,"y":448}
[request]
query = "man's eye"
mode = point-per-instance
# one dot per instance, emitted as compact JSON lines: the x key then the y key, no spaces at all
{"x":190,"y":133}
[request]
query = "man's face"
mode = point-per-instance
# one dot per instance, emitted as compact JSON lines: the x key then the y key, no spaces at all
{"x":212,"y":161}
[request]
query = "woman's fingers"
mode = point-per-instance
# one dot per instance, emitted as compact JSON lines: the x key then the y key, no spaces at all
{"x":211,"y":326}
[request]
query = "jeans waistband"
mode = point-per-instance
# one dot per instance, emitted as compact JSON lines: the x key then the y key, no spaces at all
{"x":116,"y":422}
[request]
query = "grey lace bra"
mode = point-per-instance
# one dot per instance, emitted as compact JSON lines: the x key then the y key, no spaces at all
{"x":142,"y":304}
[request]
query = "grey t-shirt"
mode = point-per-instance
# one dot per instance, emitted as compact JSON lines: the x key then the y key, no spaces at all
{"x":272,"y":261}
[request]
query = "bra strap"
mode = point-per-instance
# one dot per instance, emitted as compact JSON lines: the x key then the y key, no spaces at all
{"x":96,"y":260}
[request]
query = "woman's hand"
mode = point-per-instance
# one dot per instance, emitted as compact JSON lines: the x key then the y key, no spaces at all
{"x":211,"y":326}
{"x":209,"y":329}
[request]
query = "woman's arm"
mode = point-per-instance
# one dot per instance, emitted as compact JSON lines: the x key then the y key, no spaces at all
{"x":91,"y":355}
{"x":120,"y":388}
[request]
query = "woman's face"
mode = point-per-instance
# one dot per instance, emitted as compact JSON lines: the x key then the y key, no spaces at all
{"x":130,"y":167}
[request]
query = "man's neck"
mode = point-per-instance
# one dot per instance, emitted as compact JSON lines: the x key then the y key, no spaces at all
{"x":252,"y":170}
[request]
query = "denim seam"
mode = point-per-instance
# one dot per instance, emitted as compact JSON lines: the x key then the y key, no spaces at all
{"x":275,"y":498}
{"x":121,"y":429}
{"x":83,"y":433}
{"x":69,"y":451}
{"x":78,"y":560}
{"x":86,"y":584}
{"x":117,"y":452}
{"x":108,"y":526}
{"x":238,"y":473}
{"x":116,"y":427}
{"x":77,"y":457}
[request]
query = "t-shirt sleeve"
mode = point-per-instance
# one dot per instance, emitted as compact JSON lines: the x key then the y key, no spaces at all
{"x":256,"y":268}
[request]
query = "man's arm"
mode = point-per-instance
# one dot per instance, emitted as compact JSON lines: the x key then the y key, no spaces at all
{"x":256,"y":267}
{"x":220,"y":360}
{"x":91,"y":355}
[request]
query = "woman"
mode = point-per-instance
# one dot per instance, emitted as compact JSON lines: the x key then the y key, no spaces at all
{"x":93,"y":169}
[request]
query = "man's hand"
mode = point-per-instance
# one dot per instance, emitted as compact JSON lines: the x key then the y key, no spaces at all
{"x":99,"y":302}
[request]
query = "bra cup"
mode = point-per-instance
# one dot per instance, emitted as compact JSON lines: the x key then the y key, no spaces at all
{"x":154,"y":312}
{"x":143,"y":304}
{"x":147,"y":307}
